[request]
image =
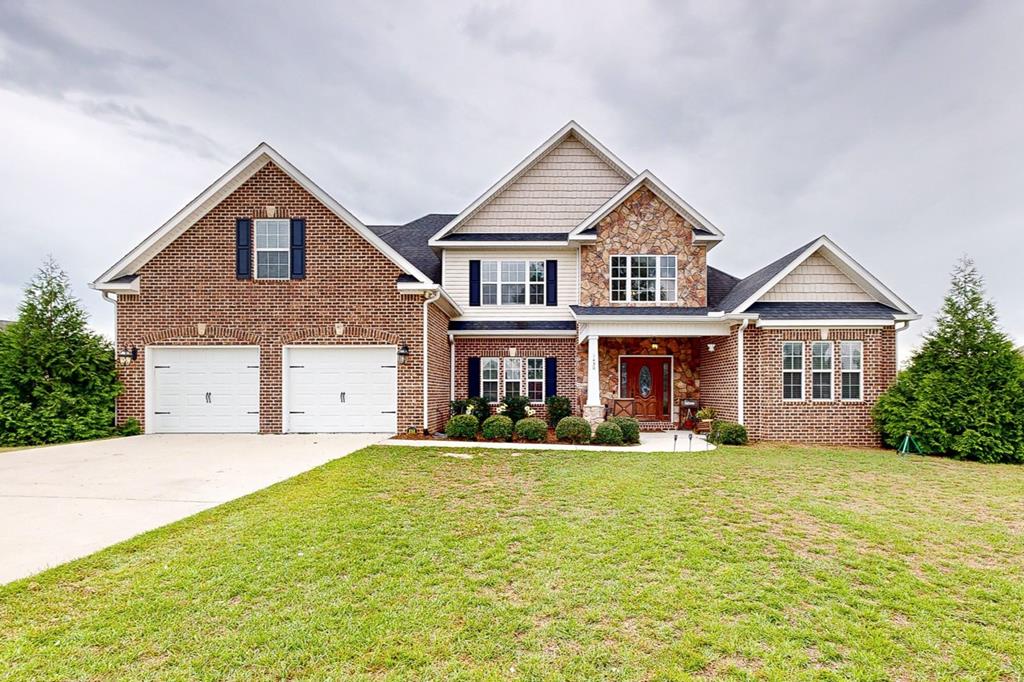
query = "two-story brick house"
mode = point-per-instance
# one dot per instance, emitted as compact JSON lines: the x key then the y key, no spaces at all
{"x":264,"y":305}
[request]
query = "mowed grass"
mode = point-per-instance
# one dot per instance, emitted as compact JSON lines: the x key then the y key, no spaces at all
{"x":402,"y":563}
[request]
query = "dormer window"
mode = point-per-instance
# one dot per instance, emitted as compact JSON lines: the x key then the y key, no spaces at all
{"x":643,"y":279}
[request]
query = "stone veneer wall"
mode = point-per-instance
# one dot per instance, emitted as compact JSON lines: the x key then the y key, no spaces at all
{"x":643,"y":224}
{"x":685,"y":379}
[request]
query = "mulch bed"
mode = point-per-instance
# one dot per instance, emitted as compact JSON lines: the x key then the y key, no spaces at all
{"x":551,"y":439}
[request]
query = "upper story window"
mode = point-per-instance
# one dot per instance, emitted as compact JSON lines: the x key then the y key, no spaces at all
{"x":512,"y":282}
{"x":643,"y":279}
{"x":272,"y":249}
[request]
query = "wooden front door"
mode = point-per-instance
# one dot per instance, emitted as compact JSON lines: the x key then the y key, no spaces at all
{"x":647,"y":381}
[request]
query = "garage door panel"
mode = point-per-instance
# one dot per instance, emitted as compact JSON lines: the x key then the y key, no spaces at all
{"x":205,"y":390}
{"x":341,"y":389}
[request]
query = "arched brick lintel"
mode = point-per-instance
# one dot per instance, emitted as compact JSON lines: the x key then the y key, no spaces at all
{"x":347,"y":331}
{"x":212,"y":331}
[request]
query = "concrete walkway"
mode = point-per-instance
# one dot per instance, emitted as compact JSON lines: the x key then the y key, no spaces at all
{"x":62,"y":502}
{"x":650,"y":441}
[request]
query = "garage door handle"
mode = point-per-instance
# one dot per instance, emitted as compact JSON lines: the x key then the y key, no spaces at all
{"x":253,"y":412}
{"x":161,"y":413}
{"x":161,"y":366}
{"x":209,"y":398}
{"x":389,"y":366}
{"x":295,"y":412}
{"x":341,"y":396}
{"x":296,"y":366}
{"x":387,"y":412}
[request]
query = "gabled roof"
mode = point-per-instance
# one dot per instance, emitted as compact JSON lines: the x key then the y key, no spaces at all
{"x":411,"y":239}
{"x":749,"y":290}
{"x":705,"y":229}
{"x":570,"y":128}
{"x":221,"y":188}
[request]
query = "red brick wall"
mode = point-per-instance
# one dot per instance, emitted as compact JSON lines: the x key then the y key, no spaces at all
{"x":768,"y":417}
{"x":348,"y":281}
{"x":438,"y":369}
{"x":526,"y":347}
{"x":718,"y":375}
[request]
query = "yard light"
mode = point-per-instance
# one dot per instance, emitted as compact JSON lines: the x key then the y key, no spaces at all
{"x":126,"y":355}
{"x":403,"y":354}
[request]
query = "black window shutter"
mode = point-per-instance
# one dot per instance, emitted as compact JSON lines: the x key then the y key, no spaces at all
{"x":552,"y":282}
{"x":550,"y":376}
{"x":298,"y":248}
{"x":473,"y":378}
{"x":474,"y":283}
{"x":243,"y":248}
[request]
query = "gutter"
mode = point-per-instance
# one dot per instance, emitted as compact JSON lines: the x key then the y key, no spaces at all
{"x":426,"y":315}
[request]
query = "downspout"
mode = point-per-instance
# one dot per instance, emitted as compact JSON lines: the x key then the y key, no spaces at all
{"x":451,"y":369}
{"x":739,"y":370}
{"x":426,"y":314}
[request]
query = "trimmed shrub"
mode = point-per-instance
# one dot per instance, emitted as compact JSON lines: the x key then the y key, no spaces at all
{"x":558,"y":407}
{"x":462,"y":426}
{"x":131,"y":427}
{"x":457,"y":407}
{"x":630,"y":429}
{"x":515,"y":407}
{"x":573,"y":429}
{"x":728,"y":433}
{"x":497,"y":427}
{"x":608,"y":433}
{"x":532,"y":429}
{"x":479,"y":408}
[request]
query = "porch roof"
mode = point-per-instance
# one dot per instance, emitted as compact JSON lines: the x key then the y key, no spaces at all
{"x":661,"y":311}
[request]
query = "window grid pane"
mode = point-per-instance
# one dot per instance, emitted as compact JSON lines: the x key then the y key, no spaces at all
{"x":793,"y":370}
{"x":851,"y":362}
{"x":535,"y":378}
{"x":489,"y":379}
{"x":489,"y":294}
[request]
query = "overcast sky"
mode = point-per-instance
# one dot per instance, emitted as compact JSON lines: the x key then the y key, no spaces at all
{"x":897,"y":128}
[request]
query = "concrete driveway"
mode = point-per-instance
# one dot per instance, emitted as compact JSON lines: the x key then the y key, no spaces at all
{"x":62,"y":502}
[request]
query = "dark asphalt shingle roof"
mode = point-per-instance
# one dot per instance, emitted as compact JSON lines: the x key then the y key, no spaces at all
{"x":748,"y":286}
{"x":512,"y":325}
{"x":506,"y":237}
{"x":667,"y":311}
{"x":720,"y":283}
{"x":411,"y":239}
{"x":815,"y":310}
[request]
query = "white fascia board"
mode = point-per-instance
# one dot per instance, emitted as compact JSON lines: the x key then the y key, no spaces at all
{"x":817,"y":324}
{"x":572,"y":127}
{"x":501,"y":245}
{"x":245,"y":168}
{"x":117,"y":287}
{"x":823,"y":242}
{"x":512,"y":333}
{"x":647,"y":178}
{"x":644,"y":328}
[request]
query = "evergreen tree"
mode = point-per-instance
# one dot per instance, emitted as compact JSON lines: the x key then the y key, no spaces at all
{"x":57,"y":379}
{"x":963,"y":392}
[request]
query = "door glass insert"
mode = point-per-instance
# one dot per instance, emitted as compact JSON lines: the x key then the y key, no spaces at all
{"x":645,"y":381}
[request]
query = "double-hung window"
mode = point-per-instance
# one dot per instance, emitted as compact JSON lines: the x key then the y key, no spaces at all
{"x":272,"y":249}
{"x":851,"y":354}
{"x":643,"y":279}
{"x":513,"y":376}
{"x":512,"y":282}
{"x":489,"y":379}
{"x":793,"y":370}
{"x":535,"y":379}
{"x":821,"y":370}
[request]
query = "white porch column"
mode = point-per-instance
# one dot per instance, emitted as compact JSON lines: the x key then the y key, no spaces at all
{"x":593,"y":374}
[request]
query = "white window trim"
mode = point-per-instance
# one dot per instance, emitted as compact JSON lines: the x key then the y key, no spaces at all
{"x":256,"y":249}
{"x":831,"y":372}
{"x":504,"y":371}
{"x":657,"y":277}
{"x":803,"y":378}
{"x":860,"y":372}
{"x":499,"y":282}
{"x":542,"y":380}
{"x":496,"y":380}
{"x":524,"y":381}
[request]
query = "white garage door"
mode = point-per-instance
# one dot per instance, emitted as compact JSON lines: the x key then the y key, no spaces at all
{"x":341,"y":390}
{"x":205,"y":390}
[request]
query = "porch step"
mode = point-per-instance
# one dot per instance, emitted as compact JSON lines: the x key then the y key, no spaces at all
{"x":657,"y":426}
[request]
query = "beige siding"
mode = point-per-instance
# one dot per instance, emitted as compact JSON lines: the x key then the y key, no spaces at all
{"x":561,"y":189}
{"x":816,"y":279}
{"x":456,"y":283}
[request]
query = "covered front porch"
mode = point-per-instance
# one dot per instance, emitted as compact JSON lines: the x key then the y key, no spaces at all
{"x":646,"y":368}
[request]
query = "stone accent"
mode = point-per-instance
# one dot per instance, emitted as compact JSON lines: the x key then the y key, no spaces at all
{"x":643,"y":224}
{"x":685,"y":378}
{"x":348,"y":283}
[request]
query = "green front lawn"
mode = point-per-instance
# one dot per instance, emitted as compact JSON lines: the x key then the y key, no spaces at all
{"x":402,"y":563}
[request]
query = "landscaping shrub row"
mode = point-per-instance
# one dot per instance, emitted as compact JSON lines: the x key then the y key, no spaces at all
{"x":464,"y":424}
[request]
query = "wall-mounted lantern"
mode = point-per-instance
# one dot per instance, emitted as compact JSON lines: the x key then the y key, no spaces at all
{"x":126,"y":355}
{"x":403,"y":354}
{"x":711,"y":348}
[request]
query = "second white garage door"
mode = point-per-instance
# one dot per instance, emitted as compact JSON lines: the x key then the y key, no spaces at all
{"x":335,"y":389}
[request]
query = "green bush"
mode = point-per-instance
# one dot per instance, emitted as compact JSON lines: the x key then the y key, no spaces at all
{"x":515,"y":407}
{"x":457,"y":407}
{"x":728,"y":433}
{"x":558,"y":407}
{"x":573,"y":429}
{"x":462,"y":426}
{"x":532,"y":429}
{"x":130,"y":428}
{"x":479,"y":408}
{"x":608,"y":433}
{"x":630,"y":429}
{"x":497,"y":427}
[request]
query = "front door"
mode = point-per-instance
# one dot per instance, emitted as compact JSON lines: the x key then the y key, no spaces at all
{"x":647,"y":380}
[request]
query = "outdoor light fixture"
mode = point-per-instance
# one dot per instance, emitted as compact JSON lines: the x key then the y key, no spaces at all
{"x":654,"y":346}
{"x":403,"y":354}
{"x":126,"y":355}
{"x":711,"y":348}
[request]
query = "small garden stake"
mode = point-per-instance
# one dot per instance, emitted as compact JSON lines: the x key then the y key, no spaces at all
{"x":907,"y":442}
